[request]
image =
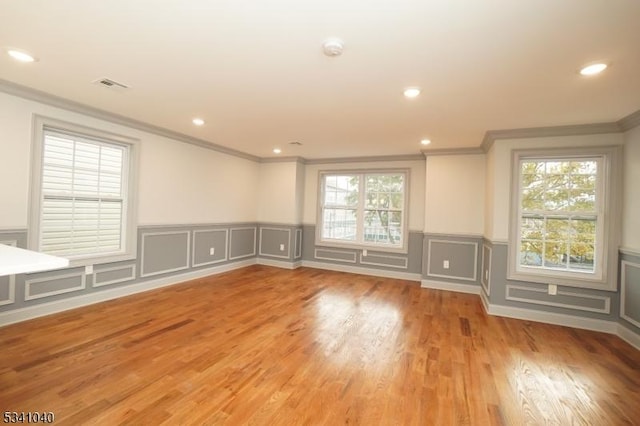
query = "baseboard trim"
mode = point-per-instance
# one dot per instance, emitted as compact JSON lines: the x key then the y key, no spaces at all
{"x":553,"y":318}
{"x":629,"y":336}
{"x":363,"y":271}
{"x":442,"y":285}
{"x":30,"y":312}
{"x":279,"y":263}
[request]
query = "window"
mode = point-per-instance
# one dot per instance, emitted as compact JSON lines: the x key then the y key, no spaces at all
{"x":363,"y":209}
{"x":563,"y":225}
{"x":81,"y":195}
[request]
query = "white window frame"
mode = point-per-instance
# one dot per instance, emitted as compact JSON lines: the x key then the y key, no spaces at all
{"x":129,"y":237}
{"x":608,"y":199}
{"x":359,"y":243}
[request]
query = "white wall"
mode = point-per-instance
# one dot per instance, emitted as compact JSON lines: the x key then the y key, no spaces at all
{"x":501,"y":186}
{"x":277,"y":193}
{"x":178,"y":183}
{"x":416,"y":187}
{"x":454,"y":198}
{"x":631,"y":191}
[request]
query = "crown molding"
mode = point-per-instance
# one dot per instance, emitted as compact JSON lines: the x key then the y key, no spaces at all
{"x":630,"y":121}
{"x":291,"y":159}
{"x":453,"y":151}
{"x":80,"y":108}
{"x":410,"y":157}
{"x":540,"y":132}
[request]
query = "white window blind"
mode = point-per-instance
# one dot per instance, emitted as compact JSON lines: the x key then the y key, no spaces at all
{"x":83,"y":192}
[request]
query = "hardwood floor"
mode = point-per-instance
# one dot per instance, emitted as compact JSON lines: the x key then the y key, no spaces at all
{"x":270,"y":346}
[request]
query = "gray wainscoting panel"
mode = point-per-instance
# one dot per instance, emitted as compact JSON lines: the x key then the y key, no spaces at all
{"x":461,"y":255}
{"x":44,"y":286}
{"x":338,"y":255}
{"x":164,"y":252}
{"x":204,"y":240}
{"x":8,"y":282}
{"x":485,"y":278}
{"x":298,"y":244}
{"x":242,"y":242}
{"x":564,"y":299}
{"x":387,"y":260}
{"x":113,"y":275}
{"x":630,"y":292}
{"x":275,"y":242}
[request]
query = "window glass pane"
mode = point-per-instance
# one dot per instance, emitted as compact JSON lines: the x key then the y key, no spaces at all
{"x":339,"y":224}
{"x":341,"y":190}
{"x":555,"y":254}
{"x":531,"y":253}
{"x":581,"y":257}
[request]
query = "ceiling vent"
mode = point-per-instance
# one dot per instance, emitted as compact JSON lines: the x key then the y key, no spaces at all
{"x":295,"y":143}
{"x":110,"y":84}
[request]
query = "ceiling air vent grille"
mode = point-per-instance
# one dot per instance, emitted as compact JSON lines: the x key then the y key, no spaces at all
{"x":110,"y":84}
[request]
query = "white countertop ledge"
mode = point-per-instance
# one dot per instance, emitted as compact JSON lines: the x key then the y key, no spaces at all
{"x":14,"y":260}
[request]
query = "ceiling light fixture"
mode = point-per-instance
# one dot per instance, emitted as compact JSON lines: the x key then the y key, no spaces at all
{"x":198,"y":121}
{"x":411,"y":92}
{"x":425,"y":142}
{"x":593,"y":69}
{"x":20,"y":55}
{"x":277,"y":150}
{"x":333,"y":47}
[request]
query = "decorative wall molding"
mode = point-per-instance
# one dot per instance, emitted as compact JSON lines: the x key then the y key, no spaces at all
{"x":210,"y":262}
{"x":606,"y":309}
{"x":623,"y":291}
{"x":405,"y":260}
{"x":375,"y":159}
{"x":362,"y":271}
{"x":288,"y":244}
{"x":145,"y":235}
{"x":11,"y":296}
{"x":485,"y":279}
{"x":327,"y":250}
{"x":131,"y":276}
{"x":298,"y":244}
{"x":457,"y":287}
{"x":242,"y":256}
{"x":630,"y":121}
{"x":452,"y":151}
{"x":29,"y":282}
{"x":454,"y":277}
{"x":629,"y":251}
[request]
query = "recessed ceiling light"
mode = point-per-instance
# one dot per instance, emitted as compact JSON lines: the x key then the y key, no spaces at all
{"x":411,"y":92}
{"x":333,"y":47}
{"x":425,"y":142}
{"x":198,"y":121}
{"x":277,"y":150}
{"x":593,"y":69}
{"x":20,"y":55}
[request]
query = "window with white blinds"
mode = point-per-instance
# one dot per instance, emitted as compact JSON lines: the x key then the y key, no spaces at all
{"x":80,"y":201}
{"x":83,"y":196}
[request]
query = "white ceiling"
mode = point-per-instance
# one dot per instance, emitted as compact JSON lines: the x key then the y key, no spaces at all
{"x":255,"y":71}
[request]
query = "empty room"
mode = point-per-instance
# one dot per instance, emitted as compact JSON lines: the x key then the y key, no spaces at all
{"x":320,"y":213}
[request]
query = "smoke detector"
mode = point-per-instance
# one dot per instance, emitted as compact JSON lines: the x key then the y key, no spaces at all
{"x":333,"y":47}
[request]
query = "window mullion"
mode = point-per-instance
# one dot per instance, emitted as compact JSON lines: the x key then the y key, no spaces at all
{"x":360,"y":211}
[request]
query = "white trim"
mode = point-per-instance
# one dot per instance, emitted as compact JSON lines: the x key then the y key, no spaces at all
{"x":279,"y":263}
{"x":362,"y":271}
{"x":457,"y":287}
{"x":629,"y":251}
{"x":132,"y":276}
{"x":455,"y":277}
{"x":485,"y":300}
{"x":605,"y":310}
{"x":298,"y":247}
{"x":288,"y":256}
{"x":13,"y":230}
{"x":386,"y":265}
{"x":485,"y":279}
{"x":164,"y":271}
{"x":450,"y":235}
{"x":255,"y":235}
{"x":623,"y":279}
{"x":12,"y":278}
{"x":211,"y":262}
{"x":629,"y":336}
{"x":553,"y":318}
{"x":22,"y":314}
{"x":29,"y":282}
{"x":315,"y":255}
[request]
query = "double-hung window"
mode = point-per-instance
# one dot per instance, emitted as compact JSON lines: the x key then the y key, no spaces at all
{"x":363,"y":209}
{"x":563,"y":228}
{"x":81,"y":195}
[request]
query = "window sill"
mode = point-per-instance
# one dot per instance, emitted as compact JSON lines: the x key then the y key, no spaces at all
{"x":361,"y":247}
{"x":100,"y":260}
{"x":562,"y":280}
